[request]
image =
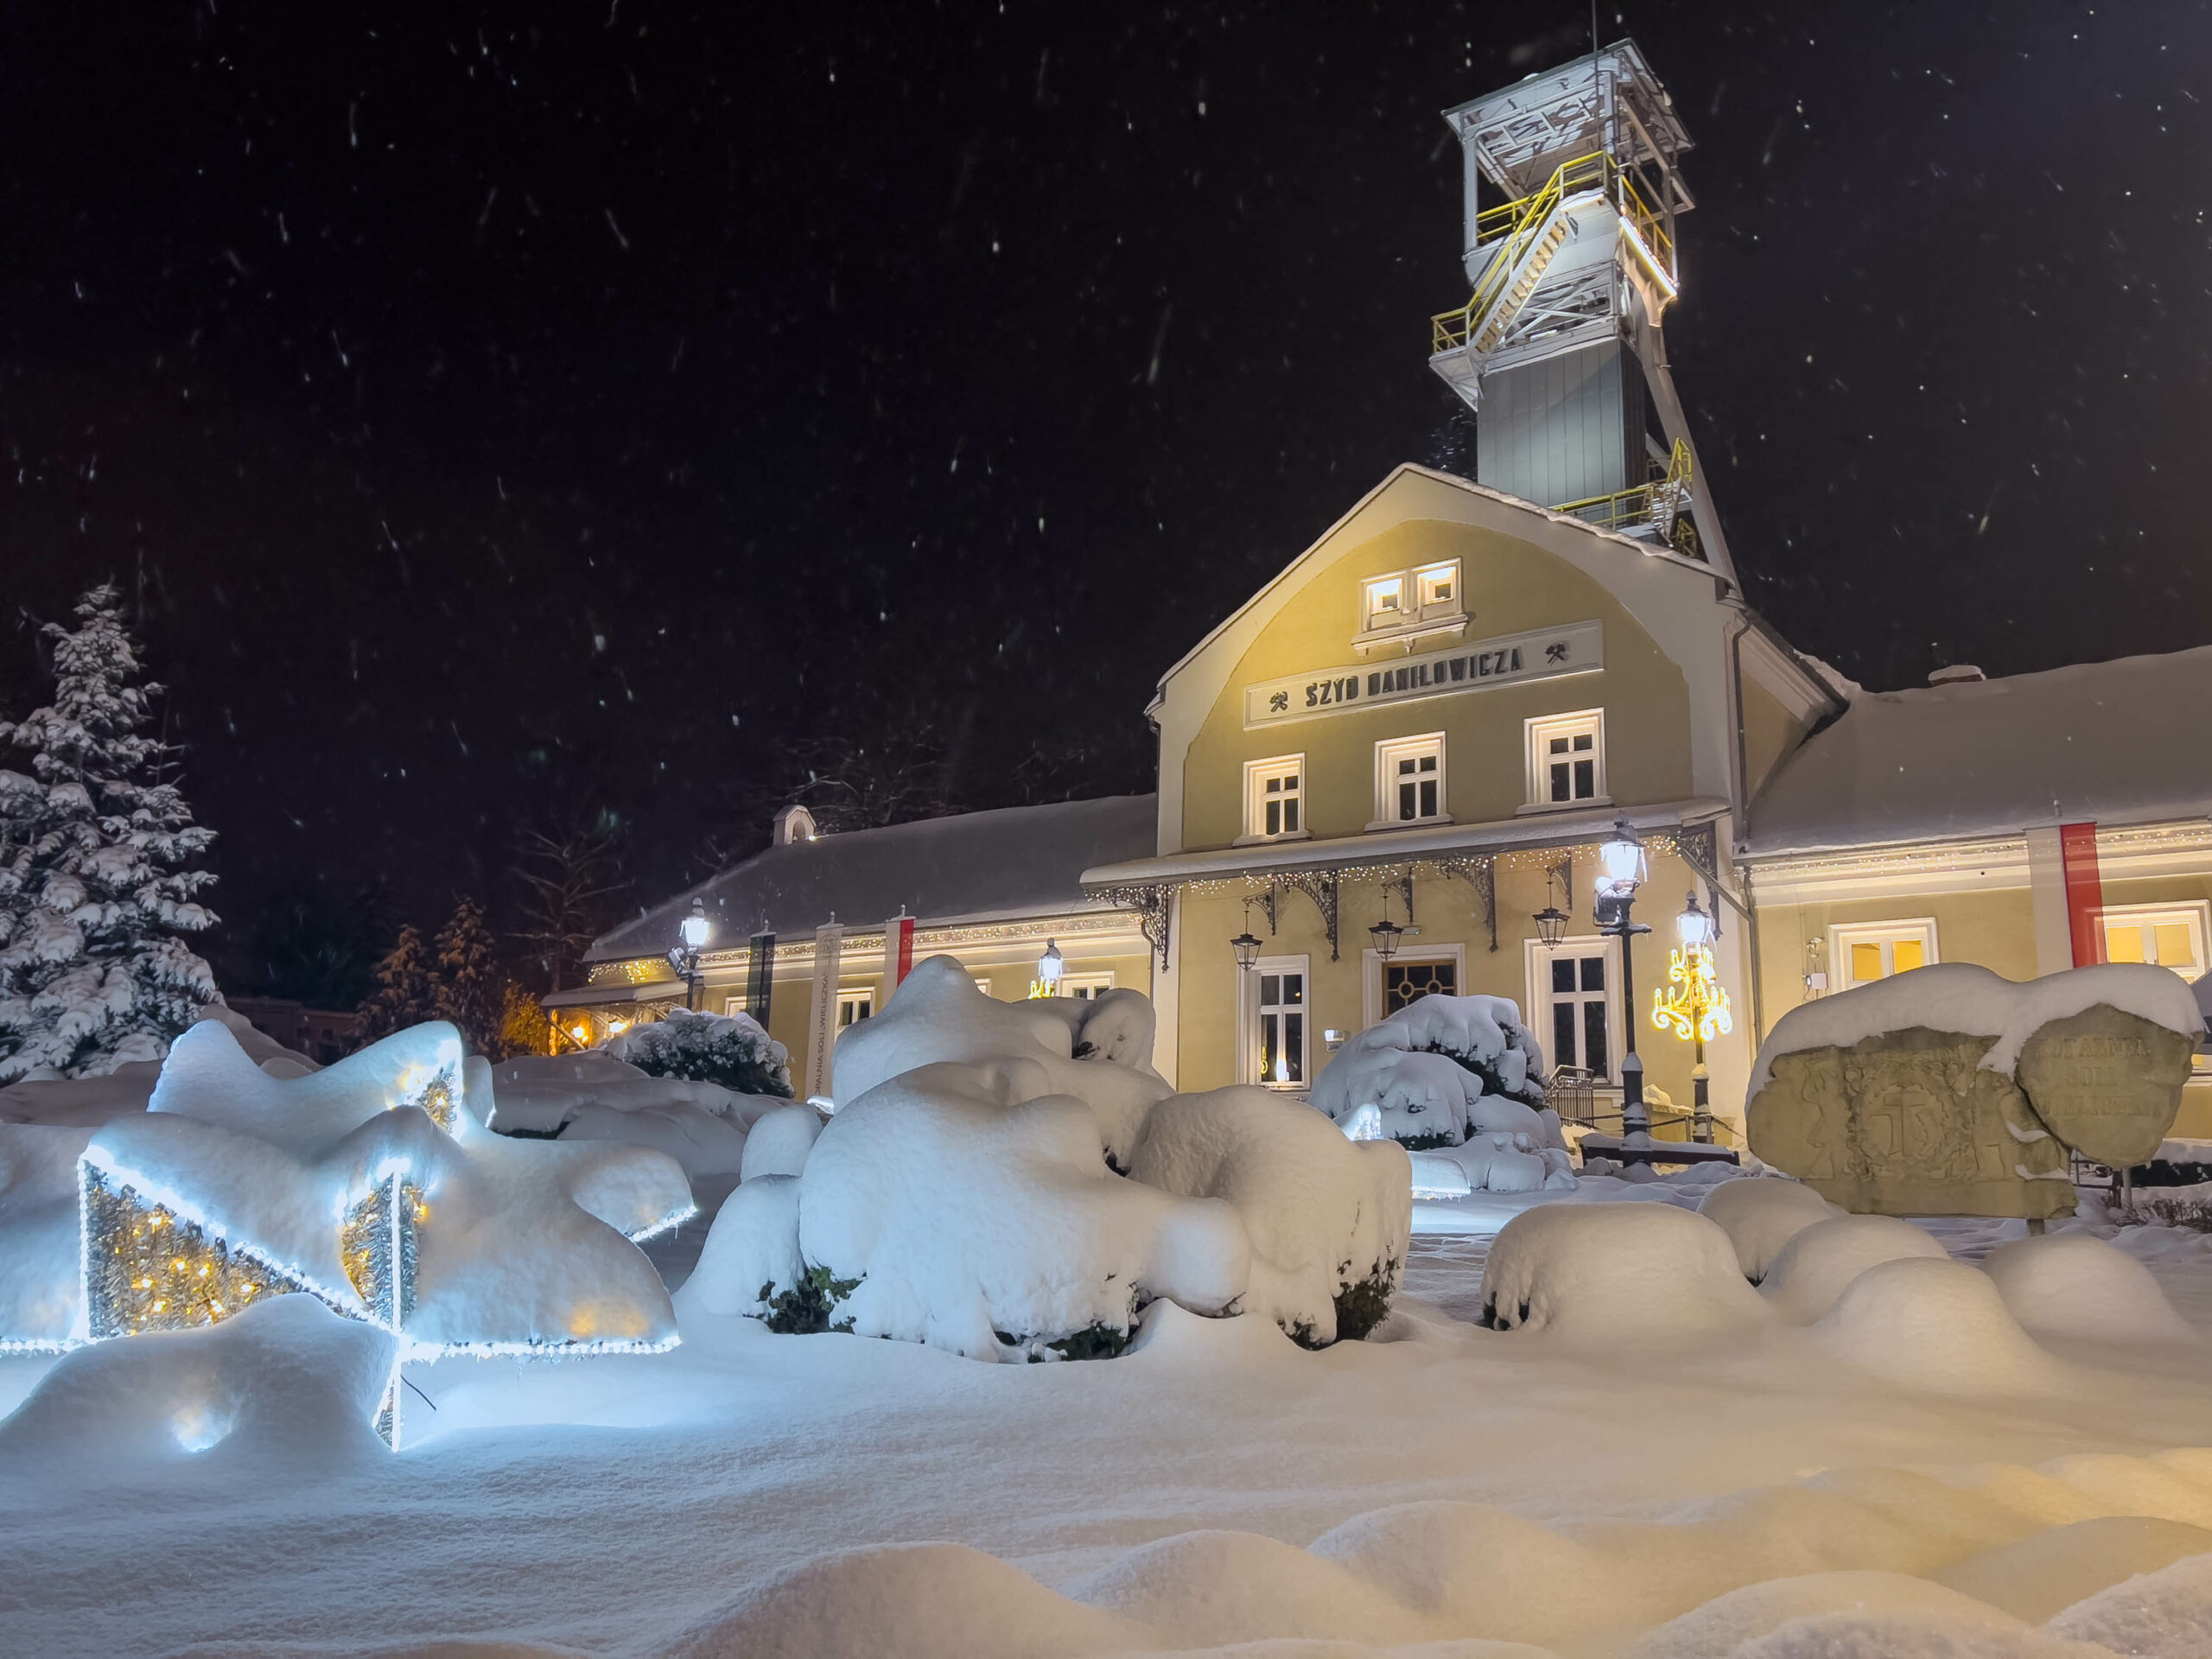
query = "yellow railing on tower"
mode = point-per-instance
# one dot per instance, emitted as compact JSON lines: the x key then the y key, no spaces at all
{"x":1665,"y":495}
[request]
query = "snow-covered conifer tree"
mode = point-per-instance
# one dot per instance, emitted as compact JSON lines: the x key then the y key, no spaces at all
{"x":407,"y":988}
{"x":95,"y":898}
{"x":472,"y":991}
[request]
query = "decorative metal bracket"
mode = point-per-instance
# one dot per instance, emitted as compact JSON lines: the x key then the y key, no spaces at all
{"x":1406,"y":890}
{"x":1700,"y":846}
{"x":1152,"y":906}
{"x":1480,"y":873}
{"x":1266,"y":902}
{"x":1319,"y":886}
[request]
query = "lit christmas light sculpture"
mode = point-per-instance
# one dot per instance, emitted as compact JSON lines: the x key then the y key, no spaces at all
{"x":1693,"y":1004}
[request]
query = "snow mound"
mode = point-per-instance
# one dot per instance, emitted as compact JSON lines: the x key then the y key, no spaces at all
{"x":1723,"y":1624}
{"x":1098,"y":1052}
{"x":1812,"y":1269}
{"x":1174,"y":1335}
{"x":1596,"y":1272}
{"x":2043,"y":1573}
{"x":919,"y":1601}
{"x":1468,"y":1566}
{"x":1762,"y":1214}
{"x":777,"y":1143}
{"x":1327,"y":1217}
{"x":41,"y":1279}
{"x":1859,"y":1636}
{"x":1964,"y":997}
{"x":972,"y":1208}
{"x":286,"y":1379}
{"x":2162,"y":1615}
{"x":1936,"y":1325}
{"x":1442,"y":1068}
{"x":2074,"y":1285}
{"x":1215,"y":1587}
{"x":595,"y":1096}
{"x":752,"y":1247}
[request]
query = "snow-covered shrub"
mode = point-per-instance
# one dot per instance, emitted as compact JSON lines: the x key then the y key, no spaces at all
{"x":2075,"y":1285}
{"x":729,"y":1049}
{"x":1328,"y":1218}
{"x":1762,"y":1214}
{"x":1934,"y":1324}
{"x":1099,"y":1053}
{"x":972,"y":1209}
{"x":750,"y":1254}
{"x":778,"y":1142}
{"x":1597,"y":1272}
{"x":1813,"y":1268}
{"x":1442,"y":1068}
{"x":286,"y":1379}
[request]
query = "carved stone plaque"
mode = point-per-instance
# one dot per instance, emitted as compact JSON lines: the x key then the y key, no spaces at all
{"x":1906,"y":1123}
{"x":2107,"y":1082}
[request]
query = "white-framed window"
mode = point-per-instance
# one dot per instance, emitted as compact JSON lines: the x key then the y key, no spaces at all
{"x":1861,"y":952}
{"x":1087,"y":985}
{"x":2172,"y":936}
{"x":1396,"y":605}
{"x":1274,"y":797}
{"x":1386,"y":987}
{"x":1409,"y":780}
{"x":1574,"y":997}
{"x":1567,"y":760}
{"x":1275,"y":1036}
{"x":984,"y":986}
{"x":854,"y":1004}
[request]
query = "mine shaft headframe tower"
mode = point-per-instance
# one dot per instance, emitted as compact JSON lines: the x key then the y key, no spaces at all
{"x":1559,"y":350}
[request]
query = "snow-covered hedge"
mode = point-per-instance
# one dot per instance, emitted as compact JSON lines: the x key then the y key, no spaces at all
{"x":595,"y":1096}
{"x":728,"y":1049}
{"x":1460,"y":1075}
{"x":1595,"y":1273}
{"x":969,"y":1193}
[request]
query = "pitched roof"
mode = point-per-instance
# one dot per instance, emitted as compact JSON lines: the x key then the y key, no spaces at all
{"x":2119,"y":742}
{"x":1020,"y":860}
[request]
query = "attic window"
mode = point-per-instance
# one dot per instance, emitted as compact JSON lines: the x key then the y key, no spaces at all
{"x":1402,"y":606}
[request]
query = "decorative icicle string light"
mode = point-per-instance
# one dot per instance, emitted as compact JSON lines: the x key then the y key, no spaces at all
{"x":1384,"y":871}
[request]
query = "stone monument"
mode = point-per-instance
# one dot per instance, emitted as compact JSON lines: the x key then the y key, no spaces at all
{"x":2107,"y":1082}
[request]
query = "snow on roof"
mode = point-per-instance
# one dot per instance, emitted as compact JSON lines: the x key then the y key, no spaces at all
{"x":1017,"y":860}
{"x":2118,"y":742}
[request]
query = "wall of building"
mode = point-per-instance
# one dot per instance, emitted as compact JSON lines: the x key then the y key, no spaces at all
{"x":1769,"y":733}
{"x":1511,"y":586}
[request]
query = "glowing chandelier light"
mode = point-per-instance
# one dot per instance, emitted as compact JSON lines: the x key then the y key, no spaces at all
{"x":1693,"y":1004}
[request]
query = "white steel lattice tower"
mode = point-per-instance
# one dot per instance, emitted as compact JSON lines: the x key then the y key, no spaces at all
{"x":1560,"y":351}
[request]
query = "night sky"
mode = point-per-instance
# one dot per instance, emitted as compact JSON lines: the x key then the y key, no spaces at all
{"x":510,"y":419}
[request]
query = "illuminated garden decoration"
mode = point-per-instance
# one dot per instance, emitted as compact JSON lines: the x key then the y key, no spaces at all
{"x":375,"y":1187}
{"x":1693,"y":1004}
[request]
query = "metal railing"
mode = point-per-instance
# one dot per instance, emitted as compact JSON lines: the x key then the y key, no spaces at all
{"x":1655,"y":504}
{"x":1515,"y":224}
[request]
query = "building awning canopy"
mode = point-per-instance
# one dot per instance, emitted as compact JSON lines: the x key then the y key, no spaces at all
{"x":597,"y":996}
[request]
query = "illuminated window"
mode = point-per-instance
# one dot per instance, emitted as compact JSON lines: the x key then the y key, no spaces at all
{"x":1274,"y":797}
{"x":1384,"y":602}
{"x":1086,"y":985}
{"x":1409,"y":780}
{"x":855,"y":1005}
{"x":1439,"y":588}
{"x":1862,"y":952}
{"x":1274,"y":1024}
{"x":1401,"y":605}
{"x":1567,"y":760}
{"x":2172,"y":936}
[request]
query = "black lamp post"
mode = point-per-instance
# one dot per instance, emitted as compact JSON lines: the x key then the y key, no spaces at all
{"x":1621,"y":869}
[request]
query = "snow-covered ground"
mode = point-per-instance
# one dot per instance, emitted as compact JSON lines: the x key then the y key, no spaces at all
{"x":617,"y":1504}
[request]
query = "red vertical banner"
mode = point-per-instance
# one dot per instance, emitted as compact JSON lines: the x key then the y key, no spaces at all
{"x":900,"y":934}
{"x":2085,"y":891}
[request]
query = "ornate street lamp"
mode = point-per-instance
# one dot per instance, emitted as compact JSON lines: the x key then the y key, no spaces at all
{"x":1246,"y":947}
{"x":1386,"y":934}
{"x":1622,"y":867}
{"x":1693,"y":1006}
{"x":1551,"y":921}
{"x":696,"y":930}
